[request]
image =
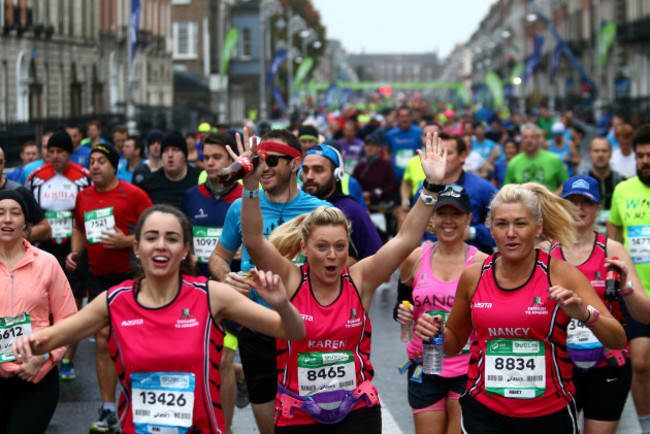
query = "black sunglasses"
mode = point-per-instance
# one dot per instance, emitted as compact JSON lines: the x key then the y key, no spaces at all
{"x":273,"y":160}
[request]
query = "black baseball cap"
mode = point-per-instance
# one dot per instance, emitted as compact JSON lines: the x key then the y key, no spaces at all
{"x":454,"y":195}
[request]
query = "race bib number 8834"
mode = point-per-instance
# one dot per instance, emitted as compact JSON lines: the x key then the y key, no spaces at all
{"x":515,"y":368}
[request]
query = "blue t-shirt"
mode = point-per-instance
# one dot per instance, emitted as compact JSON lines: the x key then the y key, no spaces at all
{"x":500,"y":167}
{"x":484,"y":148}
{"x":273,"y":214}
{"x":207,"y":216}
{"x":562,"y":153}
{"x":14,"y":175}
{"x":612,"y":140}
{"x":403,"y":146}
{"x":124,"y":173}
{"x":81,"y":156}
{"x":480,"y":194}
{"x":28,"y":169}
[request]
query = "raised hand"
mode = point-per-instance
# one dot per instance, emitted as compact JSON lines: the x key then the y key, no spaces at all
{"x":269,"y":286}
{"x":433,"y":159}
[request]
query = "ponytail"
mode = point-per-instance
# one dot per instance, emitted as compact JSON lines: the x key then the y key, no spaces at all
{"x":556,"y":215}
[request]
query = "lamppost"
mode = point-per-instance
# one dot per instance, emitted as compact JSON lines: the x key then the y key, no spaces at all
{"x":296,"y":24}
{"x":268,"y":8}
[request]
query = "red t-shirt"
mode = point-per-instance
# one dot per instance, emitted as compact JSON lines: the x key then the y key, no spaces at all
{"x":126,"y":202}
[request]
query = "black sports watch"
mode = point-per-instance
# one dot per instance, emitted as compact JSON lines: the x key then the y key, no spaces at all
{"x":433,"y":188}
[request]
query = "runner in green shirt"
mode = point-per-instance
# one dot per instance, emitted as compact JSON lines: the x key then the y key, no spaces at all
{"x":534,"y":164}
{"x":629,"y":223}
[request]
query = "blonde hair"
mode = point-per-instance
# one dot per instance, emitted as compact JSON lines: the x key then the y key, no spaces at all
{"x":556,"y":215}
{"x":286,"y":237}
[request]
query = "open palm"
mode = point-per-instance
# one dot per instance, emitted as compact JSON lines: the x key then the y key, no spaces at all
{"x":434,"y":158}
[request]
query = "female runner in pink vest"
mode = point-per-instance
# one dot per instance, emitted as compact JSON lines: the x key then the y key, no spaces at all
{"x":324,"y":379}
{"x":602,"y":377}
{"x":433,"y":271}
{"x":519,"y":303}
{"x":166,"y":334}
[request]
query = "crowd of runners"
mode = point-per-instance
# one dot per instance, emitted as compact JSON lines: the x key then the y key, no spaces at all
{"x":178,"y":250}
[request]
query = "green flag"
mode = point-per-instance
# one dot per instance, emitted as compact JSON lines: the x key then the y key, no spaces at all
{"x":229,"y":45}
{"x":463,"y":94}
{"x":302,"y":71}
{"x":493,"y":82}
{"x":606,"y":37}
{"x":517,"y":71}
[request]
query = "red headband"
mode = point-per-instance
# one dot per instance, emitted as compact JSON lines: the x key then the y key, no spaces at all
{"x":279,"y":147}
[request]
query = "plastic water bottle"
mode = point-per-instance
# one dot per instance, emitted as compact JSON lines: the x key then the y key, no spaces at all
{"x":406,"y":332}
{"x":433,"y":355}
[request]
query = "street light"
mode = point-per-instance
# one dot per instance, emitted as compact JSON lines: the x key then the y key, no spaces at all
{"x":268,"y":8}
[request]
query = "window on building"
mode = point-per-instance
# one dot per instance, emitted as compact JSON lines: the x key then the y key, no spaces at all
{"x":185,"y":39}
{"x":246,"y":43}
{"x":181,"y":2}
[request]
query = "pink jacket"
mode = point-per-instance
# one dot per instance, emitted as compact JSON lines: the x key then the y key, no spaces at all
{"x":39,"y":287}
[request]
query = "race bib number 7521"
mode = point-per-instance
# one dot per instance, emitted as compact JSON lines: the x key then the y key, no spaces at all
{"x":98,"y":221}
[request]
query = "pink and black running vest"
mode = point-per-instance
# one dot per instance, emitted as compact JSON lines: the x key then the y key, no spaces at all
{"x":179,"y":338}
{"x":519,"y":320}
{"x":335,"y":353}
{"x":595,"y":271}
{"x":431,"y":293}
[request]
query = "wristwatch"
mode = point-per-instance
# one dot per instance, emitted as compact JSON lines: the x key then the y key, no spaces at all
{"x":427,"y":199}
{"x":594,"y":314}
{"x":433,"y":188}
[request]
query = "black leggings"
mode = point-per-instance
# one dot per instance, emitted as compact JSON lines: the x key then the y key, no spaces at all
{"x":365,"y":420}
{"x":27,"y":407}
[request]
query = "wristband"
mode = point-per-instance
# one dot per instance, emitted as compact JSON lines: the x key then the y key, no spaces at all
{"x":433,"y":188}
{"x":627,"y":289}
{"x":594,"y":314}
{"x":250,"y":194}
{"x":46,"y":356}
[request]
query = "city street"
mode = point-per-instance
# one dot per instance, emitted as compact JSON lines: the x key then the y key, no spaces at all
{"x":77,"y":409}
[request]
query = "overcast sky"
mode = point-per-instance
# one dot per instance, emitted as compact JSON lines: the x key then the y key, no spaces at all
{"x":401,"y":26}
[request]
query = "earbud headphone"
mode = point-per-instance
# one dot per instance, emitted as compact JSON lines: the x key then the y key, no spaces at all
{"x":339,"y":172}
